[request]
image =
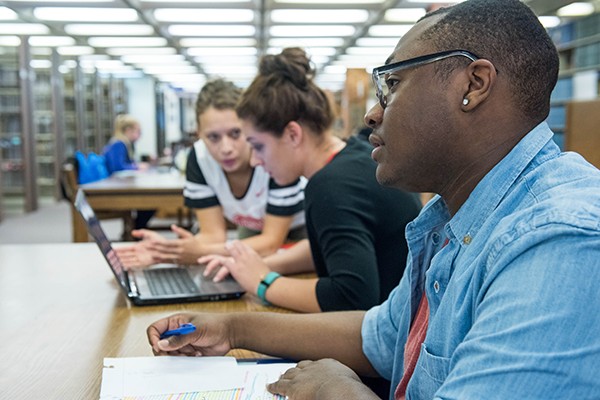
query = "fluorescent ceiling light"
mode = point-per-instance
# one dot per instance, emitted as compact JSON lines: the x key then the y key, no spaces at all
{"x":23,"y":29}
{"x":181,"y":78}
{"x":225,"y":60}
{"x":375,"y":42}
{"x":75,"y":50}
{"x":121,"y":51}
{"x":311,"y":30}
{"x":109,"y":29}
{"x":321,"y":51}
{"x":233,"y":69}
{"x":170,"y":69}
{"x":70,"y":63}
{"x":158,"y":59}
{"x":107,"y":64}
{"x":319,"y":59}
{"x":127,"y":41}
{"x":330,"y":1}
{"x":334,"y":69}
{"x":127,"y":74}
{"x":372,"y":58}
{"x":40,"y":63}
{"x":549,"y":21}
{"x":95,"y":57}
{"x":85,"y":14}
{"x":389,"y":30}
{"x":210,"y":42}
{"x":41,"y":51}
{"x":11,"y":41}
{"x":306,"y":42}
{"x":7,"y":14}
{"x":203,"y":15}
{"x":382,"y":51}
{"x":404,"y":14}
{"x":331,"y":77}
{"x":319,"y":16}
{"x":63,"y":69}
{"x":212,"y":30}
{"x":350,"y":64}
{"x":222,"y":51}
{"x":576,"y":10}
{"x":51,"y":41}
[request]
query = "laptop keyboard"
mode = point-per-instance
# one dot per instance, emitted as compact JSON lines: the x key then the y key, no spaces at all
{"x":170,"y":281}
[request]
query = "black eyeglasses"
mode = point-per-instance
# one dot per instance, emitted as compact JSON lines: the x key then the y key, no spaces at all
{"x":381,"y":74}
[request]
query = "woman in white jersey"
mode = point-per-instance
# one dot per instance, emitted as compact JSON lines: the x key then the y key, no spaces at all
{"x":221,"y":184}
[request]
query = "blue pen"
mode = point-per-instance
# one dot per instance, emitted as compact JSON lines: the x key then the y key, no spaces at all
{"x":182,"y":330}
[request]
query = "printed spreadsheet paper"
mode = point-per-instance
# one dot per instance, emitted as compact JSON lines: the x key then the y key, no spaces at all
{"x":187,"y":378}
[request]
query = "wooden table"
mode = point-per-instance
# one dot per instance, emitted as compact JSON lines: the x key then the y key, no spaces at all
{"x":61,"y":313}
{"x":138,"y":190}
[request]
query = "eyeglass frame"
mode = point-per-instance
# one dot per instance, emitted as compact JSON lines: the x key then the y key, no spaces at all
{"x":411,"y":63}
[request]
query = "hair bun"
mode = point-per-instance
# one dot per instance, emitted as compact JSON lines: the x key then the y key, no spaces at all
{"x":292,"y":64}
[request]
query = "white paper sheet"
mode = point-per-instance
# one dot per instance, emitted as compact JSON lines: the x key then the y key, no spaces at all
{"x":143,"y":376}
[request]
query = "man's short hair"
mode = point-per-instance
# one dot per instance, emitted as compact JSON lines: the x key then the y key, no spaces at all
{"x":508,"y":34}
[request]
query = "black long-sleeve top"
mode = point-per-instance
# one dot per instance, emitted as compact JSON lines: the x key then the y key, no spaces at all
{"x":356,"y":230}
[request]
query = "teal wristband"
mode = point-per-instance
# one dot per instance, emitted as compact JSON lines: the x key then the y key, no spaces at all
{"x":264,"y":285}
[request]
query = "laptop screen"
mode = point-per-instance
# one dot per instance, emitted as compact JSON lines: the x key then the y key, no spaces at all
{"x":94,"y":229}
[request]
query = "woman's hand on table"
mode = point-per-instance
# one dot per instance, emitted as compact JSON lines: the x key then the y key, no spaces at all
{"x":245,"y":265}
{"x":183,"y":250}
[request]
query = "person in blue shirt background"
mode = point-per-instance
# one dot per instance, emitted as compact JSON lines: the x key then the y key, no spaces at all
{"x":119,"y":151}
{"x":499,"y":299}
{"x":119,"y":157}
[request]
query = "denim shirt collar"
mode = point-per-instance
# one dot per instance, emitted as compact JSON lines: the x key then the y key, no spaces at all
{"x":485,"y":197}
{"x":494,"y":186}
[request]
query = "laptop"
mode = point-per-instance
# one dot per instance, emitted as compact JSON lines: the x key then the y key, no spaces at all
{"x":162,"y":283}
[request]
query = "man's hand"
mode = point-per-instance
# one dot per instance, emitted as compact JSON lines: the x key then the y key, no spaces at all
{"x":323,"y":379}
{"x":136,"y":255}
{"x":209,"y":339}
{"x":245,"y":265}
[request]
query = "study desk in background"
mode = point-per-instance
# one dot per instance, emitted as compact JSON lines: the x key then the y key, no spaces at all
{"x":128,"y":190}
{"x":61,"y":313}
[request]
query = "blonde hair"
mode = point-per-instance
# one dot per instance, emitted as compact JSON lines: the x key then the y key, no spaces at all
{"x":124,"y":122}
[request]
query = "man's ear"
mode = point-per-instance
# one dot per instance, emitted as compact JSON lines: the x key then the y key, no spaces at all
{"x":293,"y":133}
{"x":482,"y":77}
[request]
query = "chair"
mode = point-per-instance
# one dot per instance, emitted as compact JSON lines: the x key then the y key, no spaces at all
{"x":70,"y":185}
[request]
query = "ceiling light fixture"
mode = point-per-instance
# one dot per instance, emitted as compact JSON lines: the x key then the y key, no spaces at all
{"x":212,"y":30}
{"x":23,"y":29}
{"x":222,"y":51}
{"x":127,"y":41}
{"x":389,"y":30}
{"x":319,"y":16}
{"x":311,"y":30}
{"x":121,"y":51}
{"x":51,"y":41}
{"x":549,"y":21}
{"x":578,"y":9}
{"x":217,"y":42}
{"x":109,"y":29}
{"x":6,"y":14}
{"x":196,"y":15}
{"x":404,"y":14}
{"x":85,"y":14}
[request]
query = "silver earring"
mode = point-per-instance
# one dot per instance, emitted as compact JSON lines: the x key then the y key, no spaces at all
{"x":465,"y":102}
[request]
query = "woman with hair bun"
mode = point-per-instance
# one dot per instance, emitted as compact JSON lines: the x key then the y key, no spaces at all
{"x":221,"y":184}
{"x":355,"y":227}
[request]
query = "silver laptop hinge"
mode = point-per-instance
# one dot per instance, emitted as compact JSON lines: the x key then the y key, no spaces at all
{"x":132,"y":285}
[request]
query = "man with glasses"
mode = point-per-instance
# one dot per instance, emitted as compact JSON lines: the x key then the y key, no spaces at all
{"x":500,"y":296}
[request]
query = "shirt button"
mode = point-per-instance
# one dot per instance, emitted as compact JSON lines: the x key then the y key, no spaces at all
{"x":435,"y":238}
{"x":467,"y":239}
{"x":436,"y":286}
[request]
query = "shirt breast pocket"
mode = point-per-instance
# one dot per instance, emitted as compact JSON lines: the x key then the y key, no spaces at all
{"x":430,"y":373}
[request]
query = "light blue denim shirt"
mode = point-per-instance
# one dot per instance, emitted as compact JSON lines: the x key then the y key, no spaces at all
{"x":515,"y":295}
